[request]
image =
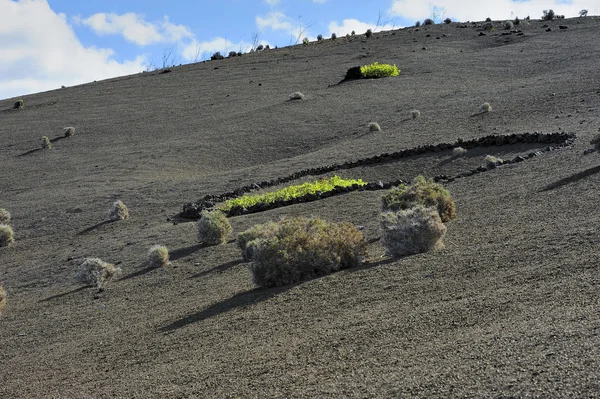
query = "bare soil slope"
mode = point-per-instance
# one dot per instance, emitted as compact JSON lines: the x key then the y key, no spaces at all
{"x":510,"y":308}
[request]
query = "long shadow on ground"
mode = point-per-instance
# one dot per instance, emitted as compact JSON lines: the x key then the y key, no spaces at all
{"x":220,"y":268}
{"x":239,"y":300}
{"x":94,"y":227}
{"x":572,"y":179}
{"x":64,"y":294}
{"x":186,"y":251}
{"x":140,"y":272}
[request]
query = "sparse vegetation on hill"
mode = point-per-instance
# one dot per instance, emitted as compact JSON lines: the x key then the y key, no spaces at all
{"x":18,"y":104}
{"x":69,"y":131}
{"x":297,"y":96}
{"x":448,"y":21}
{"x":548,"y":15}
{"x":213,"y":228}
{"x":95,"y":271}
{"x":369,"y":33}
{"x":485,"y":107}
{"x":459,"y":151}
{"x":491,"y":162}
{"x":305,"y":248}
{"x":428,"y":21}
{"x":377,"y":70}
{"x":265,"y":230}
{"x":305,"y":41}
{"x":7,"y":235}
{"x":508,"y":25}
{"x":415,"y":113}
{"x":322,"y":186}
{"x":45,"y":142}
{"x":412,"y":231}
{"x":374,"y":127}
{"x":420,"y":192}
{"x":158,"y":256}
{"x":118,"y":211}
{"x":5,"y":217}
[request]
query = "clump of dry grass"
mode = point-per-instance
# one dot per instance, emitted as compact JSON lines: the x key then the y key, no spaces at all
{"x":2,"y":299}
{"x":18,"y":104}
{"x":421,"y":192}
{"x":297,"y":96}
{"x":118,"y":211}
{"x":508,"y":25}
{"x":374,"y":127}
{"x":158,"y":256}
{"x":459,"y":151}
{"x":94,"y":271}
{"x":213,"y":227}
{"x":304,"y":248}
{"x":5,"y":217}
{"x":415,"y":113}
{"x":412,"y":231}
{"x":7,"y":235}
{"x":485,"y":107}
{"x":69,"y":131}
{"x":491,"y":161}
{"x":45,"y":143}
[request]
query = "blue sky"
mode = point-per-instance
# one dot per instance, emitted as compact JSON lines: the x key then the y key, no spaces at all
{"x":45,"y":44}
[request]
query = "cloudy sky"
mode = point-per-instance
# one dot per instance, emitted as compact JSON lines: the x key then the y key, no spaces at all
{"x":45,"y":44}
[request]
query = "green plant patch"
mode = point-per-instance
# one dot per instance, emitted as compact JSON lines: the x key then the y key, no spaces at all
{"x":377,"y":70}
{"x":318,"y":186}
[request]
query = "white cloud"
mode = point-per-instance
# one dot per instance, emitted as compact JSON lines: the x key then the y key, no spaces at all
{"x":135,"y":29}
{"x":319,"y":1}
{"x":40,"y":51}
{"x":477,"y":10}
{"x":197,"y":51}
{"x":278,"y":21}
{"x":272,"y":2}
{"x":349,"y":25}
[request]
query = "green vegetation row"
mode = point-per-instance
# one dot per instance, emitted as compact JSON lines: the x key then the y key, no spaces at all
{"x":291,"y":192}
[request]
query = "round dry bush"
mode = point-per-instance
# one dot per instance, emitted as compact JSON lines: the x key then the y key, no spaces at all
{"x":5,"y":217}
{"x":94,"y":271}
{"x":421,"y":192}
{"x":415,"y":113}
{"x":305,"y":248}
{"x":374,"y":127}
{"x":297,"y":96}
{"x":245,"y":238}
{"x":508,"y":25}
{"x":7,"y":235}
{"x":2,"y":299}
{"x":459,"y":152}
{"x":485,"y":107}
{"x":45,"y":143}
{"x":213,"y":227}
{"x":69,"y":131}
{"x":488,"y":26}
{"x":412,"y":231}
{"x":158,"y":256}
{"x":18,"y":104}
{"x":491,"y":162}
{"x":118,"y":211}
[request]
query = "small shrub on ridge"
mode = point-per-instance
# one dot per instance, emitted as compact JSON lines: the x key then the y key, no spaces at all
{"x":459,"y":151}
{"x":158,"y":256}
{"x":428,"y":21}
{"x":18,"y":104}
{"x":319,"y":38}
{"x":213,"y":227}
{"x":7,"y":235}
{"x":5,"y":217}
{"x":412,"y":231}
{"x":297,"y":96}
{"x":45,"y":143}
{"x":69,"y":131}
{"x":95,"y":271}
{"x":448,"y":21}
{"x":491,"y":161}
{"x":305,"y":41}
{"x":417,"y":24}
{"x":374,"y":127}
{"x":415,"y":113}
{"x":508,"y":25}
{"x":303,"y":248}
{"x":377,"y":70}
{"x":420,"y":192}
{"x":485,"y":107}
{"x":548,"y":15}
{"x":333,"y":36}
{"x":118,"y":211}
{"x":369,"y":33}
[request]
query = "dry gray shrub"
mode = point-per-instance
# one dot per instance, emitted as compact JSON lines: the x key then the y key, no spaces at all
{"x":374,"y":127}
{"x":118,"y":211}
{"x":94,"y":271}
{"x":508,"y":25}
{"x":246,"y":238}
{"x":304,"y":248}
{"x":5,"y":217}
{"x":7,"y":235}
{"x":213,"y":227}
{"x":485,"y":107}
{"x":491,"y":161}
{"x":412,"y":231}
{"x":69,"y":131}
{"x":158,"y":256}
{"x":45,"y":143}
{"x":415,"y":113}
{"x":459,"y":151}
{"x":297,"y":96}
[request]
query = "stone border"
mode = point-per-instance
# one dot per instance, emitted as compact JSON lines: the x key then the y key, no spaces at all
{"x":555,"y":141}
